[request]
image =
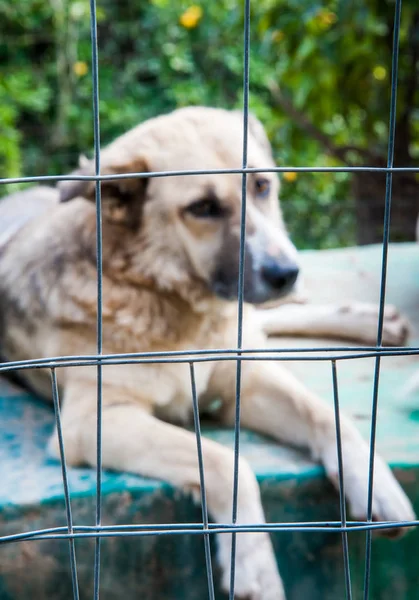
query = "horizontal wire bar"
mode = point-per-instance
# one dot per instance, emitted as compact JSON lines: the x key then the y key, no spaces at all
{"x":190,"y":355}
{"x":240,"y":171}
{"x":199,"y":529}
{"x":94,"y":361}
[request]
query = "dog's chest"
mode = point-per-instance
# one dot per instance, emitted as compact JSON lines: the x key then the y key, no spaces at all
{"x":163,"y":388}
{"x":176,"y":404}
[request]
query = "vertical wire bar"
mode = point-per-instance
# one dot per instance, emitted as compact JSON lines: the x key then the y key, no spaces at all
{"x":240,"y":288}
{"x":386,"y":236}
{"x":96,"y":131}
{"x":207,"y":543}
{"x":345,"y":548}
{"x":72,"y":550}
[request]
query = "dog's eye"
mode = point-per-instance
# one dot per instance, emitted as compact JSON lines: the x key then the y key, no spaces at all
{"x":207,"y":208}
{"x":263,"y":187}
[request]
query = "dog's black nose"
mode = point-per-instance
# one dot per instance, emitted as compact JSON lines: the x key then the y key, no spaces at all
{"x":280,"y":276}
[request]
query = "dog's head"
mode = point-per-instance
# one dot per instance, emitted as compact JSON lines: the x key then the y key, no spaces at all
{"x":185,"y":227}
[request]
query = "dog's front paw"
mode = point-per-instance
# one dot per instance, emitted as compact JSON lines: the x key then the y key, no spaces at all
{"x":256,"y":573}
{"x":390,"y":503}
{"x":395,"y":326}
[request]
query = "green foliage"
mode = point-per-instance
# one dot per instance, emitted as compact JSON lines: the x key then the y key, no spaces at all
{"x":319,"y":82}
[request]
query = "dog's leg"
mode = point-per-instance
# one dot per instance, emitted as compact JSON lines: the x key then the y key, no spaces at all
{"x":356,"y":321}
{"x":275,"y":403}
{"x":135,"y":441}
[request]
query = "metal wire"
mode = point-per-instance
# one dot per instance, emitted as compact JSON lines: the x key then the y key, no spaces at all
{"x":342,"y":500}
{"x":96,"y":131}
{"x":191,"y":172}
{"x":240,"y":290}
{"x":222,"y":355}
{"x":197,"y":425}
{"x":198,"y":529}
{"x":73,"y":563}
{"x":386,"y":238}
{"x":238,"y":354}
{"x":214,"y":354}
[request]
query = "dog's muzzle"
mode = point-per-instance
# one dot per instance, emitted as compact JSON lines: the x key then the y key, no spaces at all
{"x":280,"y":277}
{"x":270,"y":279}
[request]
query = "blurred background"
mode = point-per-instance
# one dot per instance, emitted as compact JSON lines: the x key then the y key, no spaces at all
{"x":319,"y":81}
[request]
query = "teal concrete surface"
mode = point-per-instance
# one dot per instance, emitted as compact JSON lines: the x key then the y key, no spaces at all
{"x":293,"y":488}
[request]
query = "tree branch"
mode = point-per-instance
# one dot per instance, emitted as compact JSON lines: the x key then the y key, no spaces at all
{"x":304,"y":123}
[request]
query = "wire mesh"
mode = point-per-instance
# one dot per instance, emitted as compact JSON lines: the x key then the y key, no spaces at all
{"x":330,"y":354}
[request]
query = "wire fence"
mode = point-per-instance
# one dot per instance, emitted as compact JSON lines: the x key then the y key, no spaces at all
{"x":238,"y":354}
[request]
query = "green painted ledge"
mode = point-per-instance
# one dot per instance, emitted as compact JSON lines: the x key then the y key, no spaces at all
{"x":293,"y":488}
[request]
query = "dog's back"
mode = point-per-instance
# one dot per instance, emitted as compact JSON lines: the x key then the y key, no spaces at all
{"x":20,"y":208}
{"x":17,"y":211}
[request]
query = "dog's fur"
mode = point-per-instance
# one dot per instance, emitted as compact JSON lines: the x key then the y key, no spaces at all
{"x":170,"y":267}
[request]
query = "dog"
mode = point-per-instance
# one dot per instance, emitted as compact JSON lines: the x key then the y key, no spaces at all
{"x":170,"y":278}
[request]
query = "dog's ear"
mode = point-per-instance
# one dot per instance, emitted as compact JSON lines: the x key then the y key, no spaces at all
{"x":122,"y":199}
